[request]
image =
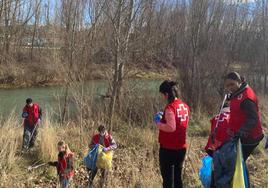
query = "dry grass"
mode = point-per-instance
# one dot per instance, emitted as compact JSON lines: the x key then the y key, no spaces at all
{"x":9,"y":143}
{"x":47,"y":142}
{"x":135,"y":161}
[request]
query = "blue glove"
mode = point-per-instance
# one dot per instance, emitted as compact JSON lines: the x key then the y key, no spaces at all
{"x":157,"y":117}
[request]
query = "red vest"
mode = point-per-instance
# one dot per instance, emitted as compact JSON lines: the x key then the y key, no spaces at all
{"x":33,"y":114}
{"x":107,"y":138}
{"x":221,"y":133}
{"x":238,"y":117}
{"x":176,"y":139}
{"x":63,"y":164}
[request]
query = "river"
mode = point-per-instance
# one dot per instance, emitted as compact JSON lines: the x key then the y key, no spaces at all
{"x":47,"y":97}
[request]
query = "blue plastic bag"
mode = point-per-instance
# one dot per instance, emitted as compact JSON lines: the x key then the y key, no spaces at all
{"x":90,"y":160}
{"x":206,"y":171}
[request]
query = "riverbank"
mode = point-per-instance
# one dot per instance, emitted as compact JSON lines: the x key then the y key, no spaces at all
{"x":135,"y":162}
{"x":23,"y":77}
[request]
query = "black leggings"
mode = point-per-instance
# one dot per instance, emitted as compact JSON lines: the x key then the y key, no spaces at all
{"x":170,"y":159}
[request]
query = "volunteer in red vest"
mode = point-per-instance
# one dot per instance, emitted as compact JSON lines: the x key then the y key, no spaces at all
{"x":105,"y":139}
{"x":65,"y":165}
{"x":32,"y":115}
{"x":219,"y":130}
{"x":245,"y":115}
{"x":218,"y":134}
{"x":172,"y":124}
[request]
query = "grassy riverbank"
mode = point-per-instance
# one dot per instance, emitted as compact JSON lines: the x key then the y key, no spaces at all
{"x":135,"y":161}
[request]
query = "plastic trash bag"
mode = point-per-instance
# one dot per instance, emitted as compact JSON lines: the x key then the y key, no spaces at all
{"x":104,"y":160}
{"x":240,"y":178}
{"x":90,"y":160}
{"x":206,"y":171}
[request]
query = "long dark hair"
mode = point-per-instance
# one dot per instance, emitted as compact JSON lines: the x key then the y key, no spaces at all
{"x":170,"y":88}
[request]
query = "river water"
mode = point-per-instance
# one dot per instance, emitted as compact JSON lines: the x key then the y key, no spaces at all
{"x":13,"y":100}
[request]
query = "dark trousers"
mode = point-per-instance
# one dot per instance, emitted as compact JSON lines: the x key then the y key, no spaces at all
{"x":93,"y":173}
{"x":171,"y":161}
{"x":247,"y":150}
{"x":29,"y":136}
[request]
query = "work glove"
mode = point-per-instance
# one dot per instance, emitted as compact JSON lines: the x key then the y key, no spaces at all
{"x":105,"y":150}
{"x":158,"y":117}
{"x":25,"y":115}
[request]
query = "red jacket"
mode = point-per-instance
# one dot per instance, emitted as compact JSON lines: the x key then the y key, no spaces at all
{"x":33,"y":114}
{"x":65,"y":166}
{"x":238,"y":116}
{"x":177,"y":139}
{"x":107,"y":140}
{"x":221,"y":133}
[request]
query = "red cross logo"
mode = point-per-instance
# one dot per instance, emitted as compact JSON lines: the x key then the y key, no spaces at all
{"x":182,"y":112}
{"x":223,"y":117}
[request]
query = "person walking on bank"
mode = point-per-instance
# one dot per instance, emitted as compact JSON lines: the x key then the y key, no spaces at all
{"x":172,"y":125}
{"x":106,"y":140}
{"x":32,"y":115}
{"x":244,"y":120}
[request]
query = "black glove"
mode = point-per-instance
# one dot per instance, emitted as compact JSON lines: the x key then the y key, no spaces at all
{"x":210,"y":152}
{"x":51,"y":163}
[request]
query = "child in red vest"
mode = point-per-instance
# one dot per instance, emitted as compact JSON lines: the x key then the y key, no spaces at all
{"x":31,"y":115}
{"x":219,"y":130}
{"x":172,"y":125}
{"x":105,"y":139}
{"x":65,"y":165}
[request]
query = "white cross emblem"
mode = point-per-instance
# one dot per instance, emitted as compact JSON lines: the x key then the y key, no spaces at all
{"x":182,"y":112}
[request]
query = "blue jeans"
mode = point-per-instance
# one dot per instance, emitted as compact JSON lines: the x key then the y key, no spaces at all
{"x":65,"y":183}
{"x":29,"y":136}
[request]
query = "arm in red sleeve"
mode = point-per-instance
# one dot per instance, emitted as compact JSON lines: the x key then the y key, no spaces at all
{"x":170,"y":125}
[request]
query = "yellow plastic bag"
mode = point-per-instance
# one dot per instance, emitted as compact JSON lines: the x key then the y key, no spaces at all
{"x":239,"y":178}
{"x":104,"y":160}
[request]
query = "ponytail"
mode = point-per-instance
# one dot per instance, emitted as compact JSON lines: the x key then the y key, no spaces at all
{"x":170,"y":88}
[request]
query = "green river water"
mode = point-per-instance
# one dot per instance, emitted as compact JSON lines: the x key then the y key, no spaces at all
{"x":13,"y":100}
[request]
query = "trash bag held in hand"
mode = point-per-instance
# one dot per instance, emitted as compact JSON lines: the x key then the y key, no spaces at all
{"x":104,"y":160}
{"x":91,"y":159}
{"x":206,"y":171}
{"x":240,"y":178}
